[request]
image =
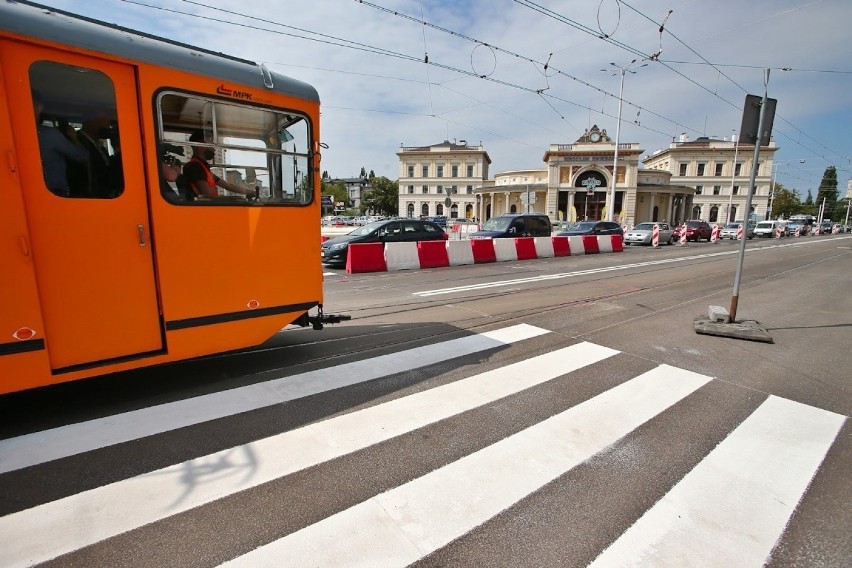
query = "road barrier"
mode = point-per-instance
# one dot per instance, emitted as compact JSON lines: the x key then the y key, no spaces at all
{"x":379,"y":257}
{"x":655,"y":236}
{"x":714,"y":234}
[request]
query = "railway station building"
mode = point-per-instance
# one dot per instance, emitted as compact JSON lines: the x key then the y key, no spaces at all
{"x":702,"y":179}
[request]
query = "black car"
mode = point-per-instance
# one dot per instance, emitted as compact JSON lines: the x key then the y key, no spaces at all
{"x":592,"y":228}
{"x":334,"y":251}
{"x":515,"y":225}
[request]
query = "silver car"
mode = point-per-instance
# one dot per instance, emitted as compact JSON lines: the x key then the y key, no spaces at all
{"x":730,"y":231}
{"x":643,"y":233}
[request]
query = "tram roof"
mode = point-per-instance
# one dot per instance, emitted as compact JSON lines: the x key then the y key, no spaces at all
{"x":30,"y":19}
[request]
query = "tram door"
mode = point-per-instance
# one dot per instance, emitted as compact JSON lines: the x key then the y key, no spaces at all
{"x":85,"y":203}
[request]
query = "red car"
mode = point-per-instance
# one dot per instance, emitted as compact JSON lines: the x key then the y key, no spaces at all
{"x":695,"y":231}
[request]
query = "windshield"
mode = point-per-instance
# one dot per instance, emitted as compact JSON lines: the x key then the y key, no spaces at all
{"x":765,"y":225}
{"x":366,"y":229}
{"x":497,"y":224}
{"x":732,"y":226}
{"x":644,"y":227}
{"x":583,"y":226}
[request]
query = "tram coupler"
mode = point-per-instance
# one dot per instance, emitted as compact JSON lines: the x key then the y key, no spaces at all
{"x":319,"y":320}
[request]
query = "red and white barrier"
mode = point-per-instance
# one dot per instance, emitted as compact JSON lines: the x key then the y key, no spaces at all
{"x":779,"y":232}
{"x":379,"y":257}
{"x":655,"y":236}
{"x":683,"y":235}
{"x":739,"y":232}
{"x":798,"y":231}
{"x":714,"y":234}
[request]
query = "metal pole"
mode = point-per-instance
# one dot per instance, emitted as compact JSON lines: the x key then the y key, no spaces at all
{"x":528,"y":198}
{"x":772,"y":190}
{"x":733,"y":173}
{"x":848,"y":203}
{"x":735,"y":297}
{"x":611,"y":199}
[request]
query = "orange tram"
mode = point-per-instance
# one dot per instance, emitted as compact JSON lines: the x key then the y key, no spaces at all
{"x":109,"y":262}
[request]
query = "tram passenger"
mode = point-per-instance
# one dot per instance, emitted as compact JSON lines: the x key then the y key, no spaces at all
{"x":170,"y":170}
{"x":56,"y":150}
{"x":201,"y":181}
{"x":103,"y":176}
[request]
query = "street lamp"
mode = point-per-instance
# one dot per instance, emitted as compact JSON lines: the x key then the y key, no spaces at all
{"x":610,"y":201}
{"x":775,"y":167}
{"x":733,"y":174}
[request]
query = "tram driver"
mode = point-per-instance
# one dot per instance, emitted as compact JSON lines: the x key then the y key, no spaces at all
{"x":198,"y":176}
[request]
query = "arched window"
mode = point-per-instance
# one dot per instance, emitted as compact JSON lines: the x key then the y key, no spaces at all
{"x":696,"y":212}
{"x":410,"y":210}
{"x":424,"y":210}
{"x":513,"y":209}
{"x":654,"y":217}
{"x":733,"y":215}
{"x":714,"y":214}
{"x":439,"y":209}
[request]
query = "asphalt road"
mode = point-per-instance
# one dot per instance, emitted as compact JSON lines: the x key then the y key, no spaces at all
{"x":555,"y":412}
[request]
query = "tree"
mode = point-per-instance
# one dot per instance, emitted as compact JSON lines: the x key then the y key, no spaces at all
{"x":828,"y":191}
{"x":785,"y":203}
{"x":383,"y":197}
{"x":363,"y":173}
{"x":337,"y":191}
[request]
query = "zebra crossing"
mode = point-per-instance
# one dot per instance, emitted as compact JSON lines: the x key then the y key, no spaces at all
{"x":729,"y":509}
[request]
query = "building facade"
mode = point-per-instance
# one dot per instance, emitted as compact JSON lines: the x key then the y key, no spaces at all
{"x":575,"y":183}
{"x":441,"y":179}
{"x":703,"y":179}
{"x":719,"y":171}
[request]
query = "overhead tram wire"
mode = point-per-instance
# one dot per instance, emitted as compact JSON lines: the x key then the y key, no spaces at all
{"x":325,"y":38}
{"x":381,"y":51}
{"x":743,"y":89}
{"x":540,"y":63}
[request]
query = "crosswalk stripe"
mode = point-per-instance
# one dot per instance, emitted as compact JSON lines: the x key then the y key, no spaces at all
{"x":53,"y":529}
{"x":732,"y":507}
{"x":48,"y":445}
{"x":405,"y":524}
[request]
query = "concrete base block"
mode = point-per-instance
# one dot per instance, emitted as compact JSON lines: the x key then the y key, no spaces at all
{"x":718,"y":314}
{"x":749,"y":330}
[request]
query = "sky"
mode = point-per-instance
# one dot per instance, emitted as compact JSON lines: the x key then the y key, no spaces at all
{"x":516,"y":76}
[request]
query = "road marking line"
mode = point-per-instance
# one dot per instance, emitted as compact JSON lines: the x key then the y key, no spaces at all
{"x":48,"y":445}
{"x":406,"y":523}
{"x":545,"y":277}
{"x":732,"y":507}
{"x":52,"y":529}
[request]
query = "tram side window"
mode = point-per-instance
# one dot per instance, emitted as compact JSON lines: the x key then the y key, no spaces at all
{"x":251,"y":155}
{"x":77,"y":126}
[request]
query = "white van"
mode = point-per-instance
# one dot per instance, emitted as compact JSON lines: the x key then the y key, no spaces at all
{"x":769,"y":229}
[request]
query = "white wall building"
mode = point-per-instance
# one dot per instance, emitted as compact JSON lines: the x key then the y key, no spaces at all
{"x":721,"y":185}
{"x":430,"y":175}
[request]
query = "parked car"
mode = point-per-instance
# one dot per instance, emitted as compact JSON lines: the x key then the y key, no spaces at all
{"x":642,"y":234}
{"x":335,"y":251}
{"x":769,"y":229}
{"x":730,"y":230}
{"x":439,"y":219}
{"x":592,"y":228}
{"x":696,"y":230}
{"x":515,"y":225}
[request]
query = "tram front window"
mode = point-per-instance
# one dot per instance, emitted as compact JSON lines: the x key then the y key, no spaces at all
{"x":262,"y":155}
